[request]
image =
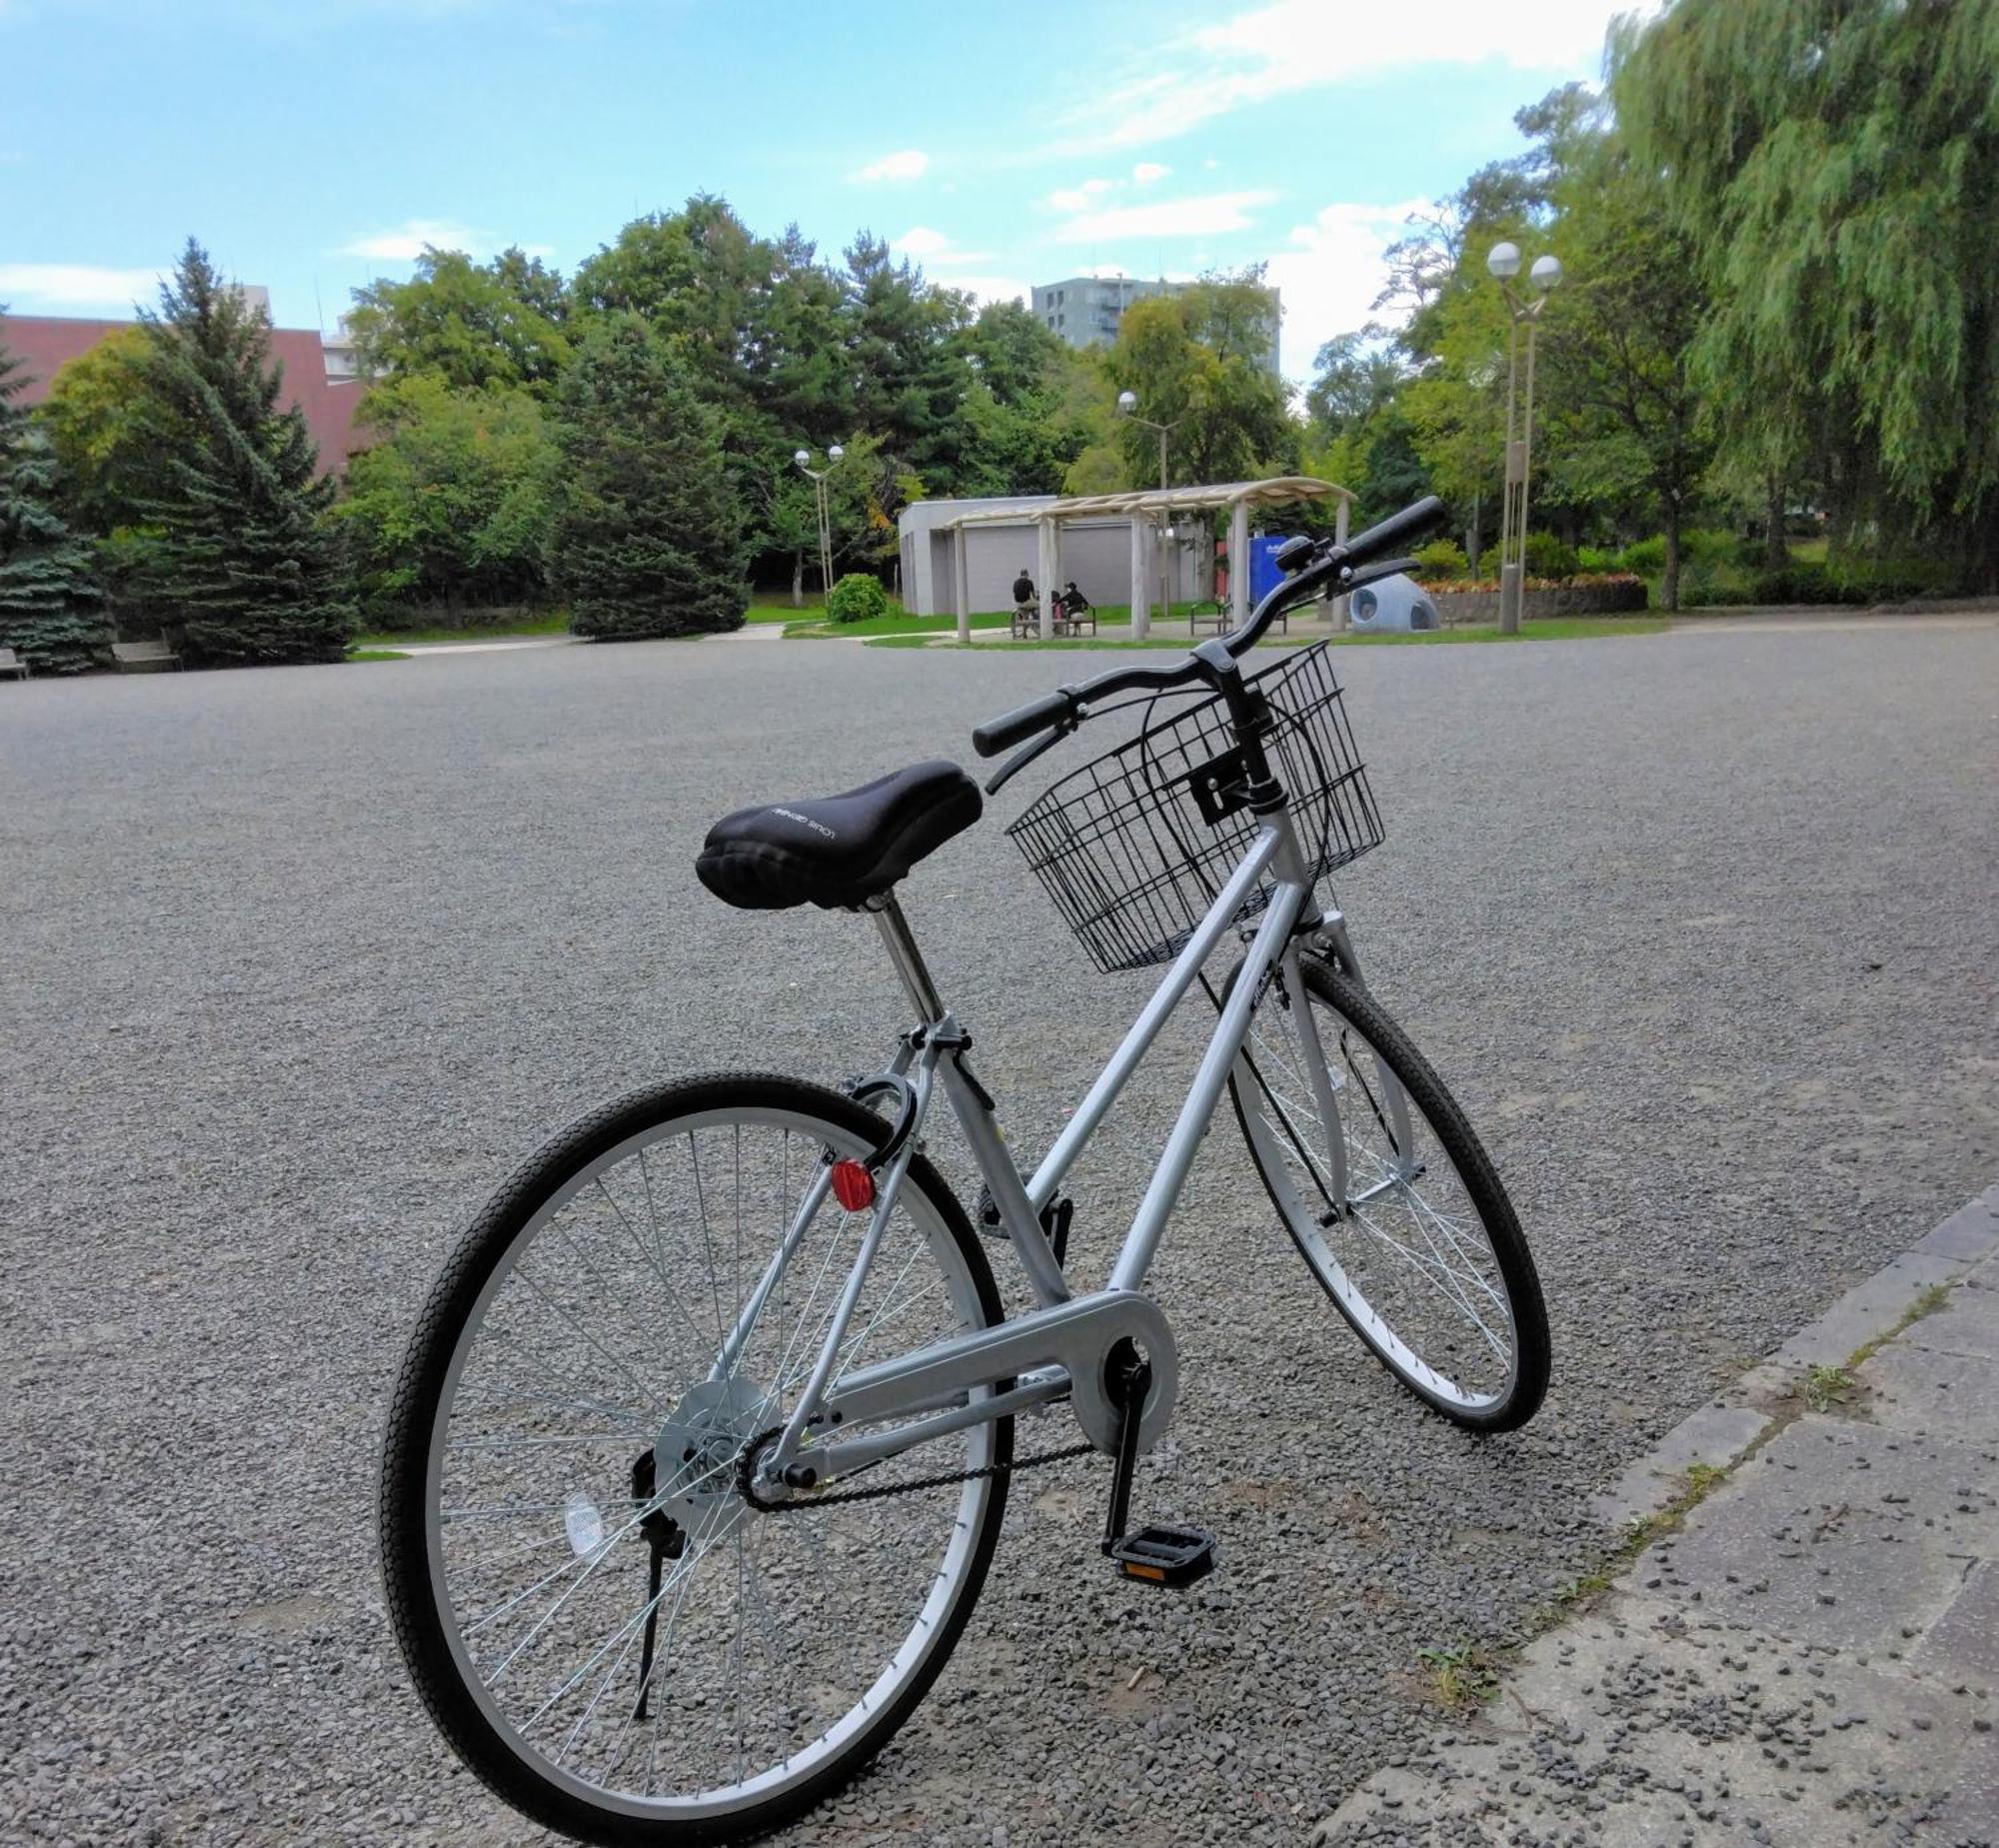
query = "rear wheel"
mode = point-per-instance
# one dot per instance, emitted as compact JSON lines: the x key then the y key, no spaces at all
{"x":1390,"y":1198}
{"x":600,"y":1623}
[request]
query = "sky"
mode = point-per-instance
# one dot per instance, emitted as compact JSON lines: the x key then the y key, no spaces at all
{"x":313,"y":145}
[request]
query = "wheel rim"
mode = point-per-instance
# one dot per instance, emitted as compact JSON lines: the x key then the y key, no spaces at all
{"x":778,"y":1640}
{"x":1407,"y":1258}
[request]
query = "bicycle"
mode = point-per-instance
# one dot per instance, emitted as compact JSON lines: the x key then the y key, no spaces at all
{"x":697,"y":1464}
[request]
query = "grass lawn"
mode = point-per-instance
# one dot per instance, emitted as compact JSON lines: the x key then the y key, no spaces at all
{"x":1556,"y":629}
{"x":376,"y":654}
{"x":895,"y":623}
{"x":900,"y":623}
{"x":554,"y":623}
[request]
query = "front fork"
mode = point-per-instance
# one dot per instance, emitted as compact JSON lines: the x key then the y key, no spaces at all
{"x":1329,"y":937}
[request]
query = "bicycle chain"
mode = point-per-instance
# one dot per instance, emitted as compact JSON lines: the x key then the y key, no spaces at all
{"x":745,"y":1472}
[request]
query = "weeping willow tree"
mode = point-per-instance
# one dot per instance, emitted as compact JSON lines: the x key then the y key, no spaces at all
{"x":1835,"y":165}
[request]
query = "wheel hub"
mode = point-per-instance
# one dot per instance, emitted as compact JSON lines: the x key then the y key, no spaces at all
{"x":696,"y":1451}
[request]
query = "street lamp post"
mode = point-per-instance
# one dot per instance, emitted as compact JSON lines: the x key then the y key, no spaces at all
{"x":1128,"y":406}
{"x":1504,"y":261}
{"x":803,"y":458}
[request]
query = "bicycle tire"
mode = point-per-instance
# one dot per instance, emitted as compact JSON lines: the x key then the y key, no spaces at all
{"x":1526,"y":1383}
{"x":414,"y":1602}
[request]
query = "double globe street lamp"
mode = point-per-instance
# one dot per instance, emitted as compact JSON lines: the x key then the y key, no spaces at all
{"x":1504,"y":261}
{"x":803,"y":458}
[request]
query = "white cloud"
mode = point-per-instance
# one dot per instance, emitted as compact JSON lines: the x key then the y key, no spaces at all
{"x":1170,"y":217}
{"x":936,"y":248}
{"x":1148,"y":171}
{"x":1287,"y":46}
{"x":75,"y":284}
{"x":1078,"y":197}
{"x":1330,"y":273}
{"x":910,"y":164}
{"x":406,"y":242}
{"x":984,"y":289}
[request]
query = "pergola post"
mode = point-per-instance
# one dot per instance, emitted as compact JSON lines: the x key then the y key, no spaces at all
{"x":1340,"y":518}
{"x":961,"y":583}
{"x":1051,"y":563}
{"x":1238,"y":564}
{"x":1141,"y":592}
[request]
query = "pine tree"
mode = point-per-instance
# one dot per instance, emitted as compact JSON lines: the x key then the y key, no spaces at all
{"x":51,"y":604}
{"x":248,"y":568}
{"x":648,"y":533}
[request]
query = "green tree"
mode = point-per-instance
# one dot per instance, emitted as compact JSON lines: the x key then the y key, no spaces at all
{"x":475,"y":323}
{"x":1615,"y":354}
{"x":51,"y":604}
{"x":910,"y":375}
{"x":247,"y":565}
{"x":1196,"y":361}
{"x":786,"y":503}
{"x":1354,"y":378}
{"x":452,"y":503}
{"x":1833,"y":167}
{"x":648,"y":530}
{"x":105,"y":424}
{"x":1031,"y":405}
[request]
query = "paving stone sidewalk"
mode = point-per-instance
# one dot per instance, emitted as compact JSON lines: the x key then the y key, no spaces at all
{"x":1807,"y":1654}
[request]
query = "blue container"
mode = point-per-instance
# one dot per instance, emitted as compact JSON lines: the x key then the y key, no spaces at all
{"x":1263,"y":573}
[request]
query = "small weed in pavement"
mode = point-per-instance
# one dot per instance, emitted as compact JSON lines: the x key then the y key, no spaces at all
{"x":1827,"y":1386}
{"x":1463,"y":1676}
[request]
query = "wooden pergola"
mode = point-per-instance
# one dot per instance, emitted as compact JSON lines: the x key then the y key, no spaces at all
{"x":1148,"y":509}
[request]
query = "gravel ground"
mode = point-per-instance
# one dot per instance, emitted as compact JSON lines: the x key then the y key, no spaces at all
{"x":1702,"y":926}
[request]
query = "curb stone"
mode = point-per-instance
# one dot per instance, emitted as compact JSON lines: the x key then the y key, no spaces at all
{"x":1722,"y":1431}
{"x":1807,"y":1657}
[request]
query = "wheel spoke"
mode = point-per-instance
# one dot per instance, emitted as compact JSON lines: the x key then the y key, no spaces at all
{"x":587,"y":1363}
{"x":1406,"y":1255}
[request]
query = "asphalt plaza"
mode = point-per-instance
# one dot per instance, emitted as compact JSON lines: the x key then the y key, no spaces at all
{"x":1700,"y":926}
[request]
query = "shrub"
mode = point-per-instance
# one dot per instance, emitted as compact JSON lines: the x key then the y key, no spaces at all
{"x":1647,"y":557}
{"x":1547,"y":557}
{"x":1441,"y":559}
{"x":1593,"y":561}
{"x":856,"y":598}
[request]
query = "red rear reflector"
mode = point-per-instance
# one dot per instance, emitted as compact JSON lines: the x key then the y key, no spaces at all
{"x":853,"y":1185}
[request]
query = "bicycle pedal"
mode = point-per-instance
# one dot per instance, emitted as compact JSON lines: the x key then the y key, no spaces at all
{"x":1165,"y":1555}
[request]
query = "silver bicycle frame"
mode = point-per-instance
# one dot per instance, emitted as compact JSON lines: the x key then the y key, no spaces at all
{"x":1058,"y":1349}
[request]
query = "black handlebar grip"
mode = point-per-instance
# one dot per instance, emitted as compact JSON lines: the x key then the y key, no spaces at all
{"x":1023,"y":723}
{"x":1396,"y":531}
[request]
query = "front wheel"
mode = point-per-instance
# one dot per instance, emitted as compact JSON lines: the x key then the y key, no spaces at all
{"x":1390,"y":1197}
{"x":599,"y":1621}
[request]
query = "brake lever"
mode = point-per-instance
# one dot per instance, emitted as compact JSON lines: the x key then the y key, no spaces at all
{"x":1027,"y":754}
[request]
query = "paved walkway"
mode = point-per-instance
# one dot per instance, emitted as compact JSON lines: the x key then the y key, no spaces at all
{"x":1809,"y":1656}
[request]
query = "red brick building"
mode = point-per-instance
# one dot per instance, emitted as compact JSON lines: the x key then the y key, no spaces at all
{"x":46,"y":341}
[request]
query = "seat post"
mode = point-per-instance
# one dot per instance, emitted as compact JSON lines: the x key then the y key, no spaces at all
{"x":908,"y":958}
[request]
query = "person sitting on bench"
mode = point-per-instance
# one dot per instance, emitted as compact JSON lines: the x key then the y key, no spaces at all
{"x":1071,"y":601}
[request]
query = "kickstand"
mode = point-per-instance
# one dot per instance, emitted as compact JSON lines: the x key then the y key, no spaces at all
{"x":668,"y":1542}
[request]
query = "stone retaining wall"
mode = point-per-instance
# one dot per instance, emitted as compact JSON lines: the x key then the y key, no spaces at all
{"x":1461,"y":609}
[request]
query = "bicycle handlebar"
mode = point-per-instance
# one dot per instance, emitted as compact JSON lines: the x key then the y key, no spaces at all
{"x":1328,"y":563}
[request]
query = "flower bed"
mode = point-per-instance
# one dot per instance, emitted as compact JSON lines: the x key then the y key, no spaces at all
{"x":1462,"y":604}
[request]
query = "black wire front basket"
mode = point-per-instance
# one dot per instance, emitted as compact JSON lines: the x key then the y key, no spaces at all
{"x":1126,"y":845}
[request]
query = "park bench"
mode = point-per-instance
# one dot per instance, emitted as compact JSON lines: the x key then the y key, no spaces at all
{"x":11,"y":662}
{"x":1077,"y":622}
{"x":143,"y":657}
{"x":1215,"y":615}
